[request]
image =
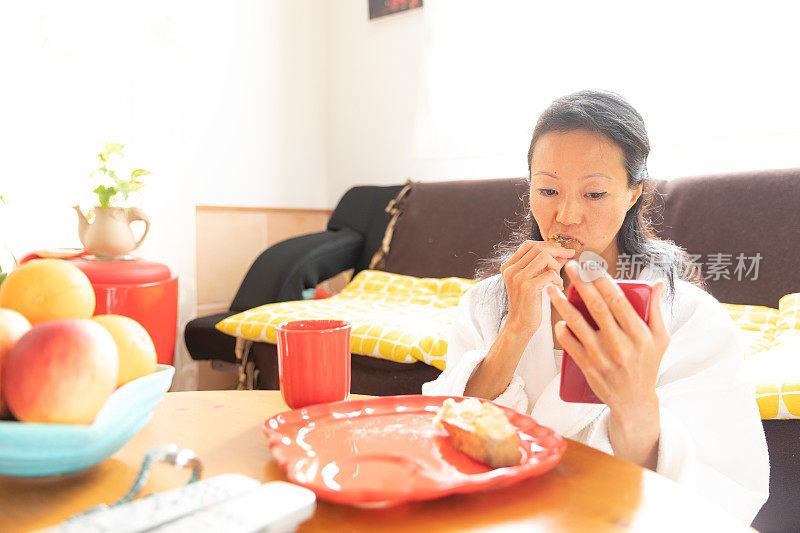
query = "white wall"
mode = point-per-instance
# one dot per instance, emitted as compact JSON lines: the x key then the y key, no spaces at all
{"x":259,"y":94}
{"x":453,"y":90}
{"x":374,"y":82}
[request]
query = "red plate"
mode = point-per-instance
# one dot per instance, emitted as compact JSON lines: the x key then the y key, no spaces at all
{"x":386,"y":450}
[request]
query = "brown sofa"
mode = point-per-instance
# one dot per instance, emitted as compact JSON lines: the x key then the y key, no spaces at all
{"x":443,"y":229}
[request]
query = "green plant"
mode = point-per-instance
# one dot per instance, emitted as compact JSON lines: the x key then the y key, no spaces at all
{"x":106,"y":193}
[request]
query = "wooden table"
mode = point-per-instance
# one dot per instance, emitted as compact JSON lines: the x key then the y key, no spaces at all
{"x":587,"y":491}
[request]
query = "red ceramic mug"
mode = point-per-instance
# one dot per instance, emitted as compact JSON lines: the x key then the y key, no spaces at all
{"x":314,"y":361}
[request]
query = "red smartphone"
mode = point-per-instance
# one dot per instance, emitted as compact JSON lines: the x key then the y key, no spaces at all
{"x":574,"y":387}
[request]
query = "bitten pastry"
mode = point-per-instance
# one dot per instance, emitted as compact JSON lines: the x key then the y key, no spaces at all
{"x":566,"y":242}
{"x":480,"y":430}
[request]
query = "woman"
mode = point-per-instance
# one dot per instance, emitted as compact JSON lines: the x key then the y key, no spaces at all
{"x":674,"y":397}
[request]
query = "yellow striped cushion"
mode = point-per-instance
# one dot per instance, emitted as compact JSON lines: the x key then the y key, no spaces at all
{"x":757,"y":325}
{"x":400,"y":318}
{"x":789,"y":314}
{"x":772,"y":354}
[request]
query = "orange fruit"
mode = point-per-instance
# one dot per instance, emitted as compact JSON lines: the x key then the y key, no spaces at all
{"x":137,"y":354}
{"x":48,"y":289}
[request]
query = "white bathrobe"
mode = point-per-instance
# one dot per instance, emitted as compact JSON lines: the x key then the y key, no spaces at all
{"x":711,"y":437}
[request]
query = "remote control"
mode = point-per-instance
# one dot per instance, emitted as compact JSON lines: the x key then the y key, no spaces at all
{"x":160,"y":508}
{"x":276,"y":507}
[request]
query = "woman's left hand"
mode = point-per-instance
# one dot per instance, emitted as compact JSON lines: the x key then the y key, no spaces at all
{"x":620,"y":360}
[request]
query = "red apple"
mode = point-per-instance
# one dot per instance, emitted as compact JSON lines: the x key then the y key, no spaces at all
{"x":12,"y":326}
{"x":61,"y":371}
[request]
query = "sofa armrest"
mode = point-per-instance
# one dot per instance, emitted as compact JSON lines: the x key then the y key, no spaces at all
{"x":285,"y":269}
{"x":204,"y":341}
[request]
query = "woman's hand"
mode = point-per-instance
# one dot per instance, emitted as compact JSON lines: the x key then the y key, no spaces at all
{"x":620,"y":360}
{"x":534,"y":265}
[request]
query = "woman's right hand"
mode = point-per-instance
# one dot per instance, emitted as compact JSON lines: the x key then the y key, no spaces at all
{"x":533,"y":266}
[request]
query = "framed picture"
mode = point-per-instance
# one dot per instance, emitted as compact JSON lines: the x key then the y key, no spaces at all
{"x":380,"y":8}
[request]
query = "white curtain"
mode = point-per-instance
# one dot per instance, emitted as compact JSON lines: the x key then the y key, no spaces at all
{"x":75,"y":75}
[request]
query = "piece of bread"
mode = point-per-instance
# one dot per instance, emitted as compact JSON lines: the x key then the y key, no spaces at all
{"x":566,"y":242}
{"x":480,"y":430}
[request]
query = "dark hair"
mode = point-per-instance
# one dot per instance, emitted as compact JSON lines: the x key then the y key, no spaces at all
{"x":609,"y":114}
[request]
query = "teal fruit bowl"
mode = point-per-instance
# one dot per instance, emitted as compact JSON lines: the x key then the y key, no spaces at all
{"x":32,"y":449}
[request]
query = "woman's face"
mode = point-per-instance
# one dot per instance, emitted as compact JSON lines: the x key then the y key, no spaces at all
{"x":579,"y":190}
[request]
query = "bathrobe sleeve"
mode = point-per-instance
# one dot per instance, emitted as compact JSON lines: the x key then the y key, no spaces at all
{"x":712,"y":439}
{"x":475,"y":328}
